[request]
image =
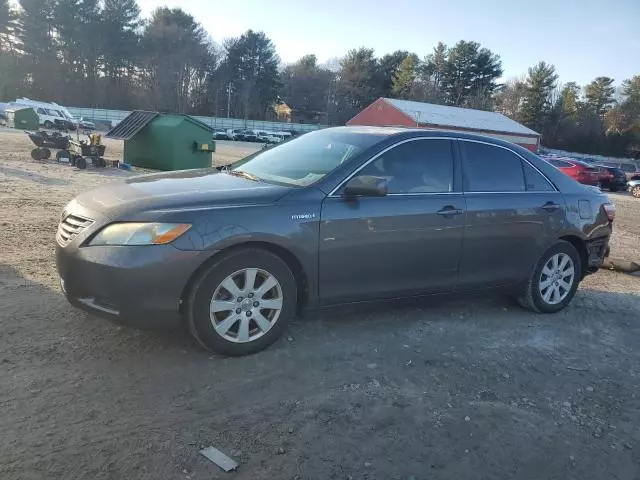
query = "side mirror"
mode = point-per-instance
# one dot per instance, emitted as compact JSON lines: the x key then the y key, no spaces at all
{"x":365,"y":186}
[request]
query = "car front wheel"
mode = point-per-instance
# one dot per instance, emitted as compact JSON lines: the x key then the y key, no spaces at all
{"x":554,"y":280}
{"x":242,"y":303}
{"x":635,"y":191}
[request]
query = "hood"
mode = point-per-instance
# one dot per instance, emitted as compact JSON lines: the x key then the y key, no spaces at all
{"x":179,"y":190}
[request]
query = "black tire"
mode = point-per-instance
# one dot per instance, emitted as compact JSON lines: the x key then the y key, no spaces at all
{"x":531,"y":298}
{"x":62,"y":154}
{"x":35,"y":153}
{"x":48,"y":124}
{"x":45,"y":153}
{"x":199,"y":300}
{"x":81,"y":163}
{"x":635,"y":191}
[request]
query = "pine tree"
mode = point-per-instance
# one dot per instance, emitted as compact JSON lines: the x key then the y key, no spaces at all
{"x":119,"y":34}
{"x":177,"y":56}
{"x":599,"y":94}
{"x":537,"y":102}
{"x":357,"y":86}
{"x":251,"y":65}
{"x":8,"y":17}
{"x":387,"y":68}
{"x":39,"y":46}
{"x":570,"y":97}
{"x":405,"y":77}
{"x":469,"y":74}
{"x":305,"y":87}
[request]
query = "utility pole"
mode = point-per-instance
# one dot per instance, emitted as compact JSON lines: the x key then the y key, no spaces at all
{"x":229,"y":89}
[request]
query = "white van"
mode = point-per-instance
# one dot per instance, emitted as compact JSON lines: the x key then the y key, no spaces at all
{"x":60,"y":110}
{"x":50,"y":118}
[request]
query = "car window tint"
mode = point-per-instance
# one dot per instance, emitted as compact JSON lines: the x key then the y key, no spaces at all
{"x":627,"y":167}
{"x":535,"y":181}
{"x":419,"y":166}
{"x":491,"y":169}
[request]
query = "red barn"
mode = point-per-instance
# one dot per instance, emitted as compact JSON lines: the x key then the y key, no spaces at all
{"x":389,"y":112}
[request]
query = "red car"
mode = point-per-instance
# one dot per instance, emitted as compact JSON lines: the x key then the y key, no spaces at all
{"x":579,"y":171}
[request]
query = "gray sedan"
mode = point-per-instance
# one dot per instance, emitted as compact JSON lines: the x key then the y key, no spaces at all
{"x":340,"y":215}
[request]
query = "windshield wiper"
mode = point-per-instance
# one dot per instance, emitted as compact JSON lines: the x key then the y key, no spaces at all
{"x":243,"y":174}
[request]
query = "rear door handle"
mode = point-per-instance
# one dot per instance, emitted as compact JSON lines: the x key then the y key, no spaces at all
{"x":551,"y":207}
{"x":450,"y":211}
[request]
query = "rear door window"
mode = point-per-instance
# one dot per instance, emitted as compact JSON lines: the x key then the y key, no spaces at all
{"x":488,"y":168}
{"x":535,"y":181}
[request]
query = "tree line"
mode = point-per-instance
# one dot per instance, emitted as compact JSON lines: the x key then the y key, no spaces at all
{"x":103,"y":54}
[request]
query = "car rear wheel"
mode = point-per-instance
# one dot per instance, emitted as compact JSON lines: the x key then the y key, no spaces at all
{"x":635,"y":191}
{"x":554,"y":280}
{"x":242,"y":303}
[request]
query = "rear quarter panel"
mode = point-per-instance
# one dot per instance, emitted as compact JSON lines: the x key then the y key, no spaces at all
{"x":586,"y":218}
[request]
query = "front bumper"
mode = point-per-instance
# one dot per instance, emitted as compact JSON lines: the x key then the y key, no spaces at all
{"x":141,"y":286}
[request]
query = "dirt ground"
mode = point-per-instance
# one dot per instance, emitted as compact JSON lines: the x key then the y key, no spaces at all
{"x":440,"y":388}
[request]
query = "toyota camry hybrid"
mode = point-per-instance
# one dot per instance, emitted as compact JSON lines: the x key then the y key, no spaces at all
{"x":339,"y":215}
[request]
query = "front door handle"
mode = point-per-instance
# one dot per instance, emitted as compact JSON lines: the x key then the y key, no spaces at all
{"x":551,"y":207}
{"x":449,"y":211}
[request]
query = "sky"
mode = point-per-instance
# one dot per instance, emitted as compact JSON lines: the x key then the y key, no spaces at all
{"x":582,"y":38}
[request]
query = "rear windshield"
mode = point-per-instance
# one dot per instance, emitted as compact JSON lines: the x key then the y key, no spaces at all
{"x":306,"y":159}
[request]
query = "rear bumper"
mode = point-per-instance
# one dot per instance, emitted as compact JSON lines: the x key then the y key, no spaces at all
{"x":140,"y":286}
{"x":597,"y":250}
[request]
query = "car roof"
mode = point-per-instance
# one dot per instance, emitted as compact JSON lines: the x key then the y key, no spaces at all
{"x":407,"y":132}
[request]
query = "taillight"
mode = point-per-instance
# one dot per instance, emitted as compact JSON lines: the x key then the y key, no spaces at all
{"x":610,"y":210}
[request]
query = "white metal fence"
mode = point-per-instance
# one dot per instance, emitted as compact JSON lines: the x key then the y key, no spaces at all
{"x":115,"y":116}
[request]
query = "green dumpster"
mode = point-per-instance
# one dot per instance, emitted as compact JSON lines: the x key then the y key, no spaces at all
{"x":164,"y":142}
{"x":22,"y":118}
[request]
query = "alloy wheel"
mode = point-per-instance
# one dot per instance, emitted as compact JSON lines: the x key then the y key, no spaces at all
{"x":246,"y":305}
{"x":556,"y":279}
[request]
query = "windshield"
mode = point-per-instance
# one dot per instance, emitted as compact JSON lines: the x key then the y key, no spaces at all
{"x":306,"y":159}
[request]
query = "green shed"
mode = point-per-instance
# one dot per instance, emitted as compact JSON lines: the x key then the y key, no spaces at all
{"x":164,"y":142}
{"x":22,"y":118}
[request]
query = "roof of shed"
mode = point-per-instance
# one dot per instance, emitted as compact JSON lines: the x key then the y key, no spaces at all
{"x":131,"y":125}
{"x":445,"y":116}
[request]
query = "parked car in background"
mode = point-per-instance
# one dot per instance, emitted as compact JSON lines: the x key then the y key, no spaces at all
{"x":249,"y":136}
{"x":85,"y":124}
{"x":275,"y":138}
{"x":220,"y":134}
{"x":634,"y":187}
{"x":630,"y":170}
{"x":285,"y":135}
{"x":51,"y":119}
{"x":579,"y":171}
{"x":338,"y":215}
{"x":262,"y":136}
{"x":614,"y":180}
{"x":236,"y":134}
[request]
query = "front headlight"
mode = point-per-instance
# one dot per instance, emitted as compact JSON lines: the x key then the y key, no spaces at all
{"x":139,"y":233}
